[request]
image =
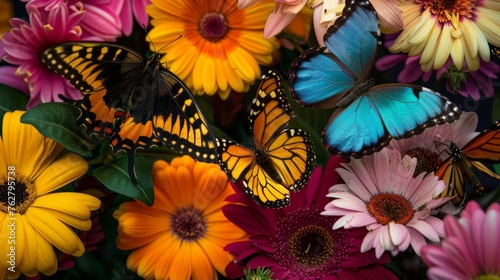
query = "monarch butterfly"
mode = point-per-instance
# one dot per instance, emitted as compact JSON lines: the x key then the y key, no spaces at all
{"x":132,"y":100}
{"x":455,"y":171}
{"x":282,"y":160}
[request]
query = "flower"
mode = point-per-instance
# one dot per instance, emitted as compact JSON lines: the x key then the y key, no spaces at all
{"x":221,"y":47}
{"x":297,"y":242}
{"x":458,"y":81}
{"x":470,"y":249}
{"x":381,"y":194}
{"x":426,"y":148}
{"x":470,"y":83}
{"x":25,"y":43}
{"x":138,"y":9}
{"x":457,"y":29}
{"x":31,"y":168}
{"x":101,"y":19}
{"x":8,"y":75}
{"x":183,"y":234}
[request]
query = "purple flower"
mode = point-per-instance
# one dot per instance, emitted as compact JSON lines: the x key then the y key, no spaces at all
{"x":297,"y":242}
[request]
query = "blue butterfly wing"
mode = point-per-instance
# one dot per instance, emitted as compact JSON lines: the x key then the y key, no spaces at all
{"x":388,"y":111}
{"x":317,"y":79}
{"x":354,"y":39}
{"x":356,"y":130}
{"x":407,"y":110}
{"x":320,"y":77}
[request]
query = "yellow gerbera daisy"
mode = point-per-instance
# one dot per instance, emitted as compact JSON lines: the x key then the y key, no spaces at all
{"x":439,"y":29}
{"x":33,"y":219}
{"x":221,"y":46}
{"x":183,"y":234}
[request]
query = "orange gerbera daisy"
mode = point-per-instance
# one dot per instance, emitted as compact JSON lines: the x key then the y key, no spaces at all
{"x":221,"y":46}
{"x":183,"y":234}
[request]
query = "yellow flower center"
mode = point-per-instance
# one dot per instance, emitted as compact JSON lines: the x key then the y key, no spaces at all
{"x":311,"y":245}
{"x":16,"y":194}
{"x":188,"y":224}
{"x":213,"y":27}
{"x":427,"y":160}
{"x":444,"y":9}
{"x":388,"y":207}
{"x":488,"y":277}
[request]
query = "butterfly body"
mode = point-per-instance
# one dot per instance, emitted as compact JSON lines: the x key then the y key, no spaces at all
{"x":367,"y":116}
{"x":134,"y":101}
{"x":282,"y":159}
{"x":456,"y":170}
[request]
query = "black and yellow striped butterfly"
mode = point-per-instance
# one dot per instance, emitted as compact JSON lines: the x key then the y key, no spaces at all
{"x":455,"y":171}
{"x":134,"y":101}
{"x":282,"y":160}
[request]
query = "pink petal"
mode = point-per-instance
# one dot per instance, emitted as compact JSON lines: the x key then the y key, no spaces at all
{"x":398,"y":233}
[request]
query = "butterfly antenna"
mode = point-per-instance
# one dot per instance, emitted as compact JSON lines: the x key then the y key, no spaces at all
{"x":169,"y":43}
{"x":150,"y":40}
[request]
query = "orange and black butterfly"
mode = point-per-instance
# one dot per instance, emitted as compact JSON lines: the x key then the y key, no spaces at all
{"x":282,"y":160}
{"x":456,"y":170}
{"x":134,"y":101}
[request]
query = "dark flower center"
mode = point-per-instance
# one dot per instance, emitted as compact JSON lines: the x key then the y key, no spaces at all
{"x":307,"y":246}
{"x":311,"y":245}
{"x":17,"y":193}
{"x":389,"y":207}
{"x":427,"y":160}
{"x":188,"y":224}
{"x":213,"y":27}
{"x":444,"y":9}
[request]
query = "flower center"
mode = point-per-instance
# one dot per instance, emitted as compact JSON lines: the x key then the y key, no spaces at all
{"x":490,"y":276}
{"x":389,"y":207}
{"x":213,"y":27}
{"x":306,"y":245}
{"x":17,"y":193}
{"x":188,"y":223}
{"x":311,"y":245}
{"x":427,"y":160}
{"x":443,"y":9}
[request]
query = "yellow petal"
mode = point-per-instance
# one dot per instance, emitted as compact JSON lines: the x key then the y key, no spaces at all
{"x":54,"y":231}
{"x":67,"y":168}
{"x":48,"y":263}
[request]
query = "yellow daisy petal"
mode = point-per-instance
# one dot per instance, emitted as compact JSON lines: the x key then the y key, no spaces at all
{"x":48,"y":263}
{"x":53,"y":231}
{"x":64,"y":170}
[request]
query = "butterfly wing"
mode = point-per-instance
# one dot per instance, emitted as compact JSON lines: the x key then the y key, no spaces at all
{"x":387,"y":111}
{"x":321,"y":76}
{"x":456,"y":170}
{"x":105,"y":73}
{"x":240,"y":163}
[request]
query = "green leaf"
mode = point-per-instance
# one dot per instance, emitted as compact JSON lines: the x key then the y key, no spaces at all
{"x":57,"y":121}
{"x":115,"y":177}
{"x":10,"y":100}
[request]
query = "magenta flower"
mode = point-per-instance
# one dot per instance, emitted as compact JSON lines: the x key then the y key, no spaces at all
{"x":381,"y":195}
{"x":25,"y":43}
{"x":134,"y":9}
{"x":101,"y":20}
{"x":297,"y":242}
{"x":471,"y":247}
{"x":8,"y":75}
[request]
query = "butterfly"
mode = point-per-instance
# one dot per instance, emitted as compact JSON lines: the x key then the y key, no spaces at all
{"x":367,"y":116}
{"x":455,"y":171}
{"x":283,"y":158}
{"x":134,"y":101}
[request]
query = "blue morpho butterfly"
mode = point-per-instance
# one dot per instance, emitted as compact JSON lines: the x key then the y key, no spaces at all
{"x":367,"y":116}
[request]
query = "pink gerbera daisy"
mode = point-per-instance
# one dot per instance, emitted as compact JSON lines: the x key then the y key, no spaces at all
{"x":26,"y":41}
{"x":297,"y":242}
{"x":471,"y":247}
{"x":382,"y":195}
